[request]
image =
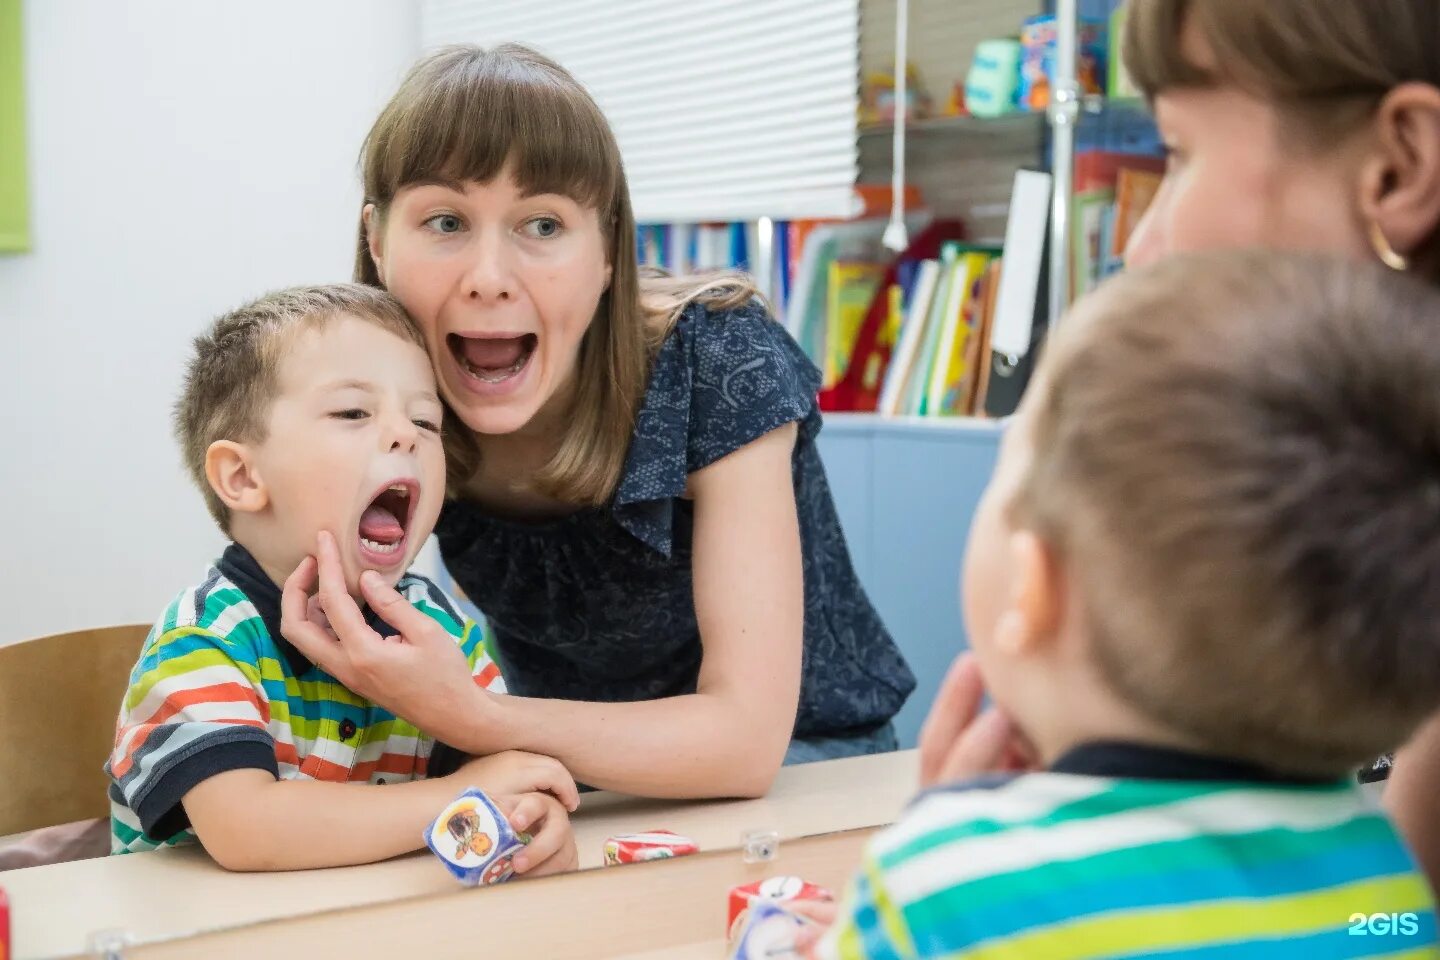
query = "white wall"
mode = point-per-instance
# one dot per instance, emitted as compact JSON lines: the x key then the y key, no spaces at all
{"x":184,"y":156}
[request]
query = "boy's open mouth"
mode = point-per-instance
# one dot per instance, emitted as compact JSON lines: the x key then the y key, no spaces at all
{"x":492,"y":359}
{"x":383,"y":524}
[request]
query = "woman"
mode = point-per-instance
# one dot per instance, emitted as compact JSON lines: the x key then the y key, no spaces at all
{"x":1290,"y":124}
{"x":639,"y":507}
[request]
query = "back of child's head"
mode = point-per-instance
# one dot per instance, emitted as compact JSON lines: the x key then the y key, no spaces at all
{"x":1237,"y":457}
{"x":232,"y":377}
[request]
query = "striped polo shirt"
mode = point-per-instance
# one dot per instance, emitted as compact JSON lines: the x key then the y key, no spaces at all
{"x":1128,"y":851}
{"x":218,"y":688}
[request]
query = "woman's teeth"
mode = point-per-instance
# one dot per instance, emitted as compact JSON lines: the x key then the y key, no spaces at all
{"x":495,"y":376}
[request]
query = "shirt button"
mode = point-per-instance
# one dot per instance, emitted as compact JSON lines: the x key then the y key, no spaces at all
{"x":347,"y":728}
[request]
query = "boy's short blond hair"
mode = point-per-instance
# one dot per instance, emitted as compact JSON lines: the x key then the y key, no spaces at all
{"x":1237,"y":455}
{"x":233,"y":374}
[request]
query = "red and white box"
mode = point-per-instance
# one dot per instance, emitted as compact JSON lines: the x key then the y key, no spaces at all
{"x":775,"y":889}
{"x":640,"y":847}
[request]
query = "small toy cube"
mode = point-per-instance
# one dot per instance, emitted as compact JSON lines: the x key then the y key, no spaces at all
{"x":474,"y":840}
{"x":639,"y":847}
{"x":775,"y":889}
{"x":768,"y":932}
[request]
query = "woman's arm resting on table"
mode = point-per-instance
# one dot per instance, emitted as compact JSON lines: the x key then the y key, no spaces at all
{"x":1412,"y":795}
{"x":727,"y":739}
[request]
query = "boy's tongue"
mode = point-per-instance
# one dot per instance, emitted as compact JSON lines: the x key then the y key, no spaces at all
{"x":380,"y":525}
{"x":490,"y":354}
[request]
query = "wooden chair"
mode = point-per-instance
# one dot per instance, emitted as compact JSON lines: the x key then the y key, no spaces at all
{"x":59,"y":697}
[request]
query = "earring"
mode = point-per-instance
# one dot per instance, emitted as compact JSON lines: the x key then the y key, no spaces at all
{"x":1384,"y":251}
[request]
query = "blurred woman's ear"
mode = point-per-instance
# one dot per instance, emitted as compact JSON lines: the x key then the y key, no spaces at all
{"x":1400,"y":185}
{"x":370,"y":215}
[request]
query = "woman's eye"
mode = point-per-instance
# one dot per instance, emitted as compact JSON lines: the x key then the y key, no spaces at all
{"x":354,"y":413}
{"x":542,"y":227}
{"x":445,"y":223}
{"x":424,"y":424}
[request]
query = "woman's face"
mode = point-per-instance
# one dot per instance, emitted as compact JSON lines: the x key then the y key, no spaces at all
{"x":1232,"y":179}
{"x":1231,"y":182}
{"x":504,"y":286}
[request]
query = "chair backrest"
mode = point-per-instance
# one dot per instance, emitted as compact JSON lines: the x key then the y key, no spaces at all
{"x":59,"y":697}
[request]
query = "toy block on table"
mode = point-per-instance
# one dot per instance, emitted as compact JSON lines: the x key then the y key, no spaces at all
{"x":640,"y":847}
{"x":774,"y":890}
{"x":474,"y":840}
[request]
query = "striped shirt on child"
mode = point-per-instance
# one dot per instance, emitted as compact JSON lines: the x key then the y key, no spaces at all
{"x":217,"y":688}
{"x":1128,"y":851}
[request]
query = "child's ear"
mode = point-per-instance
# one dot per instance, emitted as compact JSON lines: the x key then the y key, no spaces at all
{"x":1034,"y":609}
{"x":233,"y":476}
{"x":371,"y":218}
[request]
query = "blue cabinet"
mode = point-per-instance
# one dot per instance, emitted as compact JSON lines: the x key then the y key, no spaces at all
{"x":906,"y":490}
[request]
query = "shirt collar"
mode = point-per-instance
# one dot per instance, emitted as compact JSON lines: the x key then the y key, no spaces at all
{"x":1140,"y":761}
{"x":238,"y":566}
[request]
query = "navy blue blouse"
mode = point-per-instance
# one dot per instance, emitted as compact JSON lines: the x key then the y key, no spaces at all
{"x":599,"y":605}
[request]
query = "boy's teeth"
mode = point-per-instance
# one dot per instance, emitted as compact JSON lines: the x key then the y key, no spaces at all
{"x":380,"y":547}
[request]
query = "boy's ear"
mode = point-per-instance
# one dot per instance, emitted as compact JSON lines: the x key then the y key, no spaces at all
{"x":1400,"y":186}
{"x":233,"y":476}
{"x":1036,"y":603}
{"x":371,"y":218}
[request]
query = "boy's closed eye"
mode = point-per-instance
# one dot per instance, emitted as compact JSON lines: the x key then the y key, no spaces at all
{"x":352,"y":413}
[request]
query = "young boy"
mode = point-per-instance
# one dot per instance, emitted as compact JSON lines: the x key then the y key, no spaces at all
{"x":312,"y":409}
{"x":1204,"y":587}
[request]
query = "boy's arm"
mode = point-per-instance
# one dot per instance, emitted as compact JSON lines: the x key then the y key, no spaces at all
{"x":247,"y":820}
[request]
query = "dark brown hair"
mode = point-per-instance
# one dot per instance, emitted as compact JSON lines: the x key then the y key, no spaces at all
{"x":464,"y":114}
{"x":233,"y":373}
{"x":1238,"y":455}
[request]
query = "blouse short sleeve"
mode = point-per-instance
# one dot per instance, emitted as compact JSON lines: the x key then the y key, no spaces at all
{"x":721,"y":380}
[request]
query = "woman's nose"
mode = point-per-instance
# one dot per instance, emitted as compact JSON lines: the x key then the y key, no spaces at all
{"x":490,"y":276}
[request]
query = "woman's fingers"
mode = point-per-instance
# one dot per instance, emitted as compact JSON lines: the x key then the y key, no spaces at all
{"x":395,"y":610}
{"x":549,"y":775}
{"x":297,"y":624}
{"x":955,"y":708}
{"x":340,"y":608}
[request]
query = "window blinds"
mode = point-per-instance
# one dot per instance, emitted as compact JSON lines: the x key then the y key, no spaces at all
{"x":722,"y":113}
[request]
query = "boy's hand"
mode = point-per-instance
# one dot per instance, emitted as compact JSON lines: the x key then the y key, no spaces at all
{"x":959,"y":740}
{"x":517,"y":772}
{"x":420,"y":675}
{"x":821,"y":914}
{"x":552,"y":840}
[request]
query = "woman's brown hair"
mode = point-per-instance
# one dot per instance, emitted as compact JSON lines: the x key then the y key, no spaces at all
{"x":464,"y":114}
{"x":1326,"y":64}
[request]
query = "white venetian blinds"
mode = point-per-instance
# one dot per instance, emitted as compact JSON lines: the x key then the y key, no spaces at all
{"x":723,"y":111}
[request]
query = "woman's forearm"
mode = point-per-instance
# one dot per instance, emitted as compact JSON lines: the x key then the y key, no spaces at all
{"x":250,"y":822}
{"x":686,"y":747}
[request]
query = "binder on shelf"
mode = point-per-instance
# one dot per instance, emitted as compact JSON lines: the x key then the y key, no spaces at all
{"x":1022,"y":303}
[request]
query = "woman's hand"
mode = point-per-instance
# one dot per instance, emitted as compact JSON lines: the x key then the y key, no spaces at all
{"x":959,"y":740}
{"x":552,"y":840}
{"x":420,"y":675}
{"x":516,"y":772}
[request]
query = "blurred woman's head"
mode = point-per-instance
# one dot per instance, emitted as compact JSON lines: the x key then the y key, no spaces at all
{"x":1292,"y":124}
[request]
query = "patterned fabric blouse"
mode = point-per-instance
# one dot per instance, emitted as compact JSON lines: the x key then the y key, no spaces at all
{"x":599,"y":605}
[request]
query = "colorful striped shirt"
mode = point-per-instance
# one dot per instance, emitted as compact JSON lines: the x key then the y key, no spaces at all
{"x":217,"y":688}
{"x":1128,"y":851}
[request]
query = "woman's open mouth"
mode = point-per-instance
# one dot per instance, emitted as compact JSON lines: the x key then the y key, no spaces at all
{"x":383,"y":524}
{"x":492,"y":360}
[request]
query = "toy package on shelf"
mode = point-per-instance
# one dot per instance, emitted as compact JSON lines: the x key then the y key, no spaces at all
{"x":1038,"y":41}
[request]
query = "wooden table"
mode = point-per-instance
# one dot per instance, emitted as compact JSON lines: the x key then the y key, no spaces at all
{"x":178,"y":904}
